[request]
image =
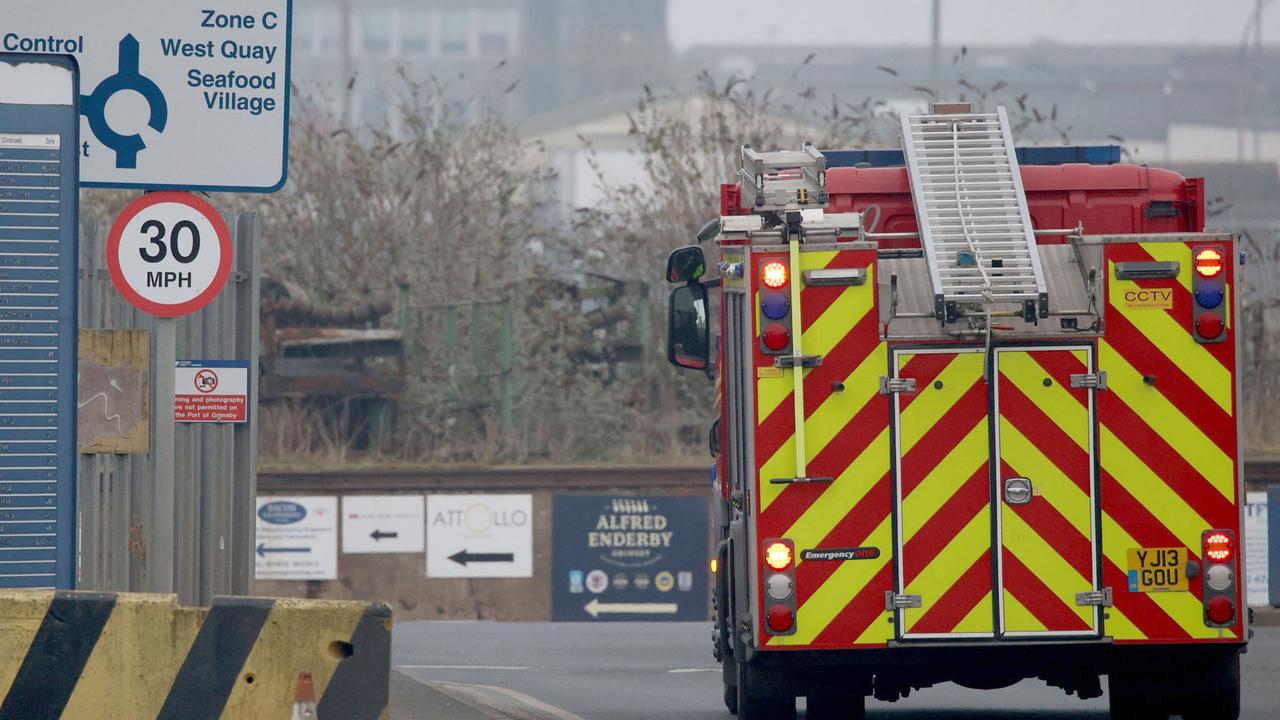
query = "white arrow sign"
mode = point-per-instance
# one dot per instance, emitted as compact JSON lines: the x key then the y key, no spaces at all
{"x":597,"y":608}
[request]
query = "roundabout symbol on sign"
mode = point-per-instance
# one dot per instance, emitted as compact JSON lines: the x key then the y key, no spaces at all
{"x":169,"y":253}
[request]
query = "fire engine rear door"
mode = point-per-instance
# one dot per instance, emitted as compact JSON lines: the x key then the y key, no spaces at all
{"x":1044,"y":451}
{"x":942,"y":454}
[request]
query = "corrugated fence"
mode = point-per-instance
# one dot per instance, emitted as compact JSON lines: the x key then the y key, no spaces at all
{"x":213,"y":511}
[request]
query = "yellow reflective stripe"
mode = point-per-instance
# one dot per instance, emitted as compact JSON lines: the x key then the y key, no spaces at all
{"x":1167,"y":421}
{"x":863,"y":474}
{"x":1055,"y":401}
{"x":770,"y":392}
{"x":942,"y":573}
{"x":1171,"y":252}
{"x":978,"y":620}
{"x":1150,"y":490}
{"x":1051,"y":484}
{"x":826,"y":603}
{"x":1042,"y":559}
{"x":926,"y":410}
{"x":945,"y":480}
{"x":861,"y":387}
{"x":1182,"y":607}
{"x":1017,"y":618}
{"x":1120,"y":627}
{"x":1174,"y":340}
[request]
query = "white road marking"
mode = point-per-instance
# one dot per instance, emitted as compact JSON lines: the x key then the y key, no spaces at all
{"x":463,"y":667}
{"x":477,"y":691}
{"x":680,"y":671}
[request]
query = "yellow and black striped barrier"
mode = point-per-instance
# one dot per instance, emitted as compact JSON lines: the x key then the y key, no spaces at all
{"x":127,"y":656}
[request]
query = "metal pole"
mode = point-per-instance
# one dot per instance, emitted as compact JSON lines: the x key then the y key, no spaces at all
{"x":160,"y":530}
{"x":935,"y":45}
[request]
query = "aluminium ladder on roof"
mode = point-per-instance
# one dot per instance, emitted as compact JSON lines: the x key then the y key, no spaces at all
{"x":975,"y":227}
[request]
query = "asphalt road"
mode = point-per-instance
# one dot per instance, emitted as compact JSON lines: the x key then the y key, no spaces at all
{"x":645,"y":671}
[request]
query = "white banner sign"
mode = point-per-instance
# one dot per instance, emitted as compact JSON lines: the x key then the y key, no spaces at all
{"x":297,"y":538}
{"x":382,"y":524}
{"x":1256,"y":551}
{"x":175,"y":93}
{"x":478,"y":536}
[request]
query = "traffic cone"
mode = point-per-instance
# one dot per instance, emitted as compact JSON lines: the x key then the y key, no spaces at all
{"x":304,"y":700}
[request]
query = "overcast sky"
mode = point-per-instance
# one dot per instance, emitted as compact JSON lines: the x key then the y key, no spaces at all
{"x":969,"y":22}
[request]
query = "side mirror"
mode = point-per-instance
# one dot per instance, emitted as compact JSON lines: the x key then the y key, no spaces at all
{"x":686,"y":264}
{"x":688,"y":332}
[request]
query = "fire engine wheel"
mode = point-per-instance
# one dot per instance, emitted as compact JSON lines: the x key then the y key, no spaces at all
{"x":835,"y":707}
{"x":1217,"y":697}
{"x":753,"y":706}
{"x":731,"y":698}
{"x":1137,"y":697}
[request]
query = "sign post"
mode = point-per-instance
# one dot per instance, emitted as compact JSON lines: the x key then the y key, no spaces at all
{"x":169,"y":254}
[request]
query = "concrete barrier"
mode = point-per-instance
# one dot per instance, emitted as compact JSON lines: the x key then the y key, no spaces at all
{"x":128,"y":656}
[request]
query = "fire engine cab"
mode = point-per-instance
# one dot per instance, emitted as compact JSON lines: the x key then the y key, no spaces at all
{"x":978,"y":421}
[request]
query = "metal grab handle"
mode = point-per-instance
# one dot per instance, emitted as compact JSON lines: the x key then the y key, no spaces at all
{"x":1017,"y":491}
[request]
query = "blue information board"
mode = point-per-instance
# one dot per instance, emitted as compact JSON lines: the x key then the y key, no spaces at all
{"x":39,"y":208}
{"x":622,"y":557}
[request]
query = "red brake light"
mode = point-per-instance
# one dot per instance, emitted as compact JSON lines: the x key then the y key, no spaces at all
{"x":1209,"y":325}
{"x":1208,"y":262}
{"x":1220,"y":610}
{"x":776,"y":336}
{"x":774,"y":275}
{"x":781,"y":618}
{"x":778,"y":555}
{"x":1217,"y":547}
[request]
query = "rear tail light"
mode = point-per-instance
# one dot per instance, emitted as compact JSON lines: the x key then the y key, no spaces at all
{"x":778,"y":587}
{"x":1208,"y":292}
{"x":781,"y":619}
{"x":1208,"y":262}
{"x":778,"y":555}
{"x":1209,"y":325}
{"x":1220,"y":610}
{"x":774,"y":275}
{"x":1217,"y":547}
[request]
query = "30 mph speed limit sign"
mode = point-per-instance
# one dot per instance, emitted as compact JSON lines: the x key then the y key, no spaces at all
{"x":169,"y":253}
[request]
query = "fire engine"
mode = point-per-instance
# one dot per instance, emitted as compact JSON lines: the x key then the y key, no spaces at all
{"x":978,"y":421}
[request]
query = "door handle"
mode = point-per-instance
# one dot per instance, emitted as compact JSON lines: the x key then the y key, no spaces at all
{"x":1017,"y":490}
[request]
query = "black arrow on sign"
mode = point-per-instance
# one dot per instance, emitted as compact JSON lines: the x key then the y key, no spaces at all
{"x":378,"y":535}
{"x":463,"y":557}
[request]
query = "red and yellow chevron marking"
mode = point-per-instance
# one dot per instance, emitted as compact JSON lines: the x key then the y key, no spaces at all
{"x":1167,"y":443}
{"x":944,"y":478}
{"x":1045,"y":435}
{"x":846,"y":438}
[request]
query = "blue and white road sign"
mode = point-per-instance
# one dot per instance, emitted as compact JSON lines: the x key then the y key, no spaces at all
{"x":297,"y":538}
{"x":38,"y":254}
{"x":175,"y":93}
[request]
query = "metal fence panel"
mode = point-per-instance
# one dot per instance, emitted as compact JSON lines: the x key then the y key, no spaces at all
{"x":214,"y":501}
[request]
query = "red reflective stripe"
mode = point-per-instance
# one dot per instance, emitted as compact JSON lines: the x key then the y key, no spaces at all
{"x":1140,"y":610}
{"x":837,"y":365}
{"x":1172,"y":382}
{"x":817,"y":299}
{"x":941,"y":528}
{"x":1048,"y":437}
{"x":924,"y":368}
{"x":941,"y":439}
{"x":1163,"y":459}
{"x":1047,"y":606}
{"x":864,"y":608}
{"x":959,"y":600}
{"x":852,"y":531}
